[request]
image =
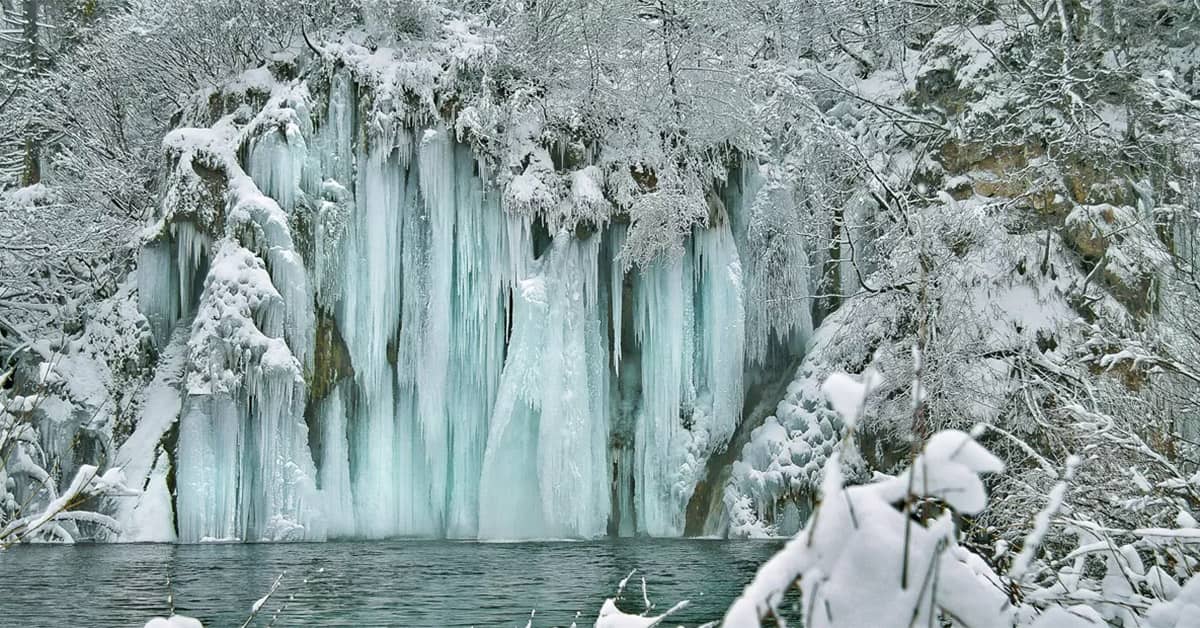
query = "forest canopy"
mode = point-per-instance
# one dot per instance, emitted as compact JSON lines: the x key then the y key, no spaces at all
{"x":985,"y":210}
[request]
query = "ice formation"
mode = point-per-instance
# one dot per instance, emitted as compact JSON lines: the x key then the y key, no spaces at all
{"x":244,"y":467}
{"x":386,"y":339}
{"x":690,"y":326}
{"x":545,"y":471}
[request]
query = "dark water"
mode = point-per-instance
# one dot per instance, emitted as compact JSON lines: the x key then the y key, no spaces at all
{"x":400,"y":583}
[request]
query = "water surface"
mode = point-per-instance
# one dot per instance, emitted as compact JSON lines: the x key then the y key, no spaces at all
{"x":394,"y":583}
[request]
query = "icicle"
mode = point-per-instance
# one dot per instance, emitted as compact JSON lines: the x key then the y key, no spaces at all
{"x":334,"y":154}
{"x":170,"y":274}
{"x":278,"y":489}
{"x":208,"y":465}
{"x":473,"y":248}
{"x":485,"y":399}
{"x":275,"y":165}
{"x":192,"y":249}
{"x":690,"y":324}
{"x":329,"y":179}
{"x":334,"y":473}
{"x":276,"y":162}
{"x":720,"y":333}
{"x":369,"y":316}
{"x":437,"y":187}
{"x":663,"y":328}
{"x":423,"y":316}
{"x":617,"y":291}
{"x":158,"y":289}
{"x":245,"y":471}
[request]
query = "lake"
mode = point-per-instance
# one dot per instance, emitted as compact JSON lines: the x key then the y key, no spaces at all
{"x":393,"y":583}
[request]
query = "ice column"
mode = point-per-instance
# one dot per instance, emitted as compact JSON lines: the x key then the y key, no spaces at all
{"x":158,"y":288}
{"x":244,"y":468}
{"x":474,"y":248}
{"x":546,"y":471}
{"x":276,"y":161}
{"x":689,"y":323}
{"x":663,"y":326}
{"x":369,"y":316}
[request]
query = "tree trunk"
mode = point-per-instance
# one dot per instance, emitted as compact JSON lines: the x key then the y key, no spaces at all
{"x":32,"y":171}
{"x":832,"y":294}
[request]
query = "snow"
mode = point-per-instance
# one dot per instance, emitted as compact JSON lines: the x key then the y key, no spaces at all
{"x":612,"y":617}
{"x":785,"y":454}
{"x":953,"y":462}
{"x":535,"y":190}
{"x":174,"y":621}
{"x":151,"y":520}
{"x":847,"y":394}
{"x":588,"y":195}
{"x":142,"y":457}
{"x":859,"y":525}
{"x":31,"y":195}
{"x":1181,"y":612}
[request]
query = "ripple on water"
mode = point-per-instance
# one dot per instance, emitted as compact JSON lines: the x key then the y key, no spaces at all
{"x":393,"y":583}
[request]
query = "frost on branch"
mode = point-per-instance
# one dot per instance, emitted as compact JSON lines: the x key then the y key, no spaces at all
{"x":612,"y":617}
{"x":660,"y":222}
{"x":37,"y":502}
{"x":55,"y":518}
{"x":865,"y":525}
{"x":919,"y":572}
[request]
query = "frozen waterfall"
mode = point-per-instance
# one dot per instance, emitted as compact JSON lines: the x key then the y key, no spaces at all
{"x":380,"y":347}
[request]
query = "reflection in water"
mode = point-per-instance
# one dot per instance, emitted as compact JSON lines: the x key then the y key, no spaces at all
{"x":396,"y":583}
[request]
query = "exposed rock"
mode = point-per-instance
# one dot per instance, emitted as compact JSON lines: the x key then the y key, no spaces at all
{"x":331,"y":360}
